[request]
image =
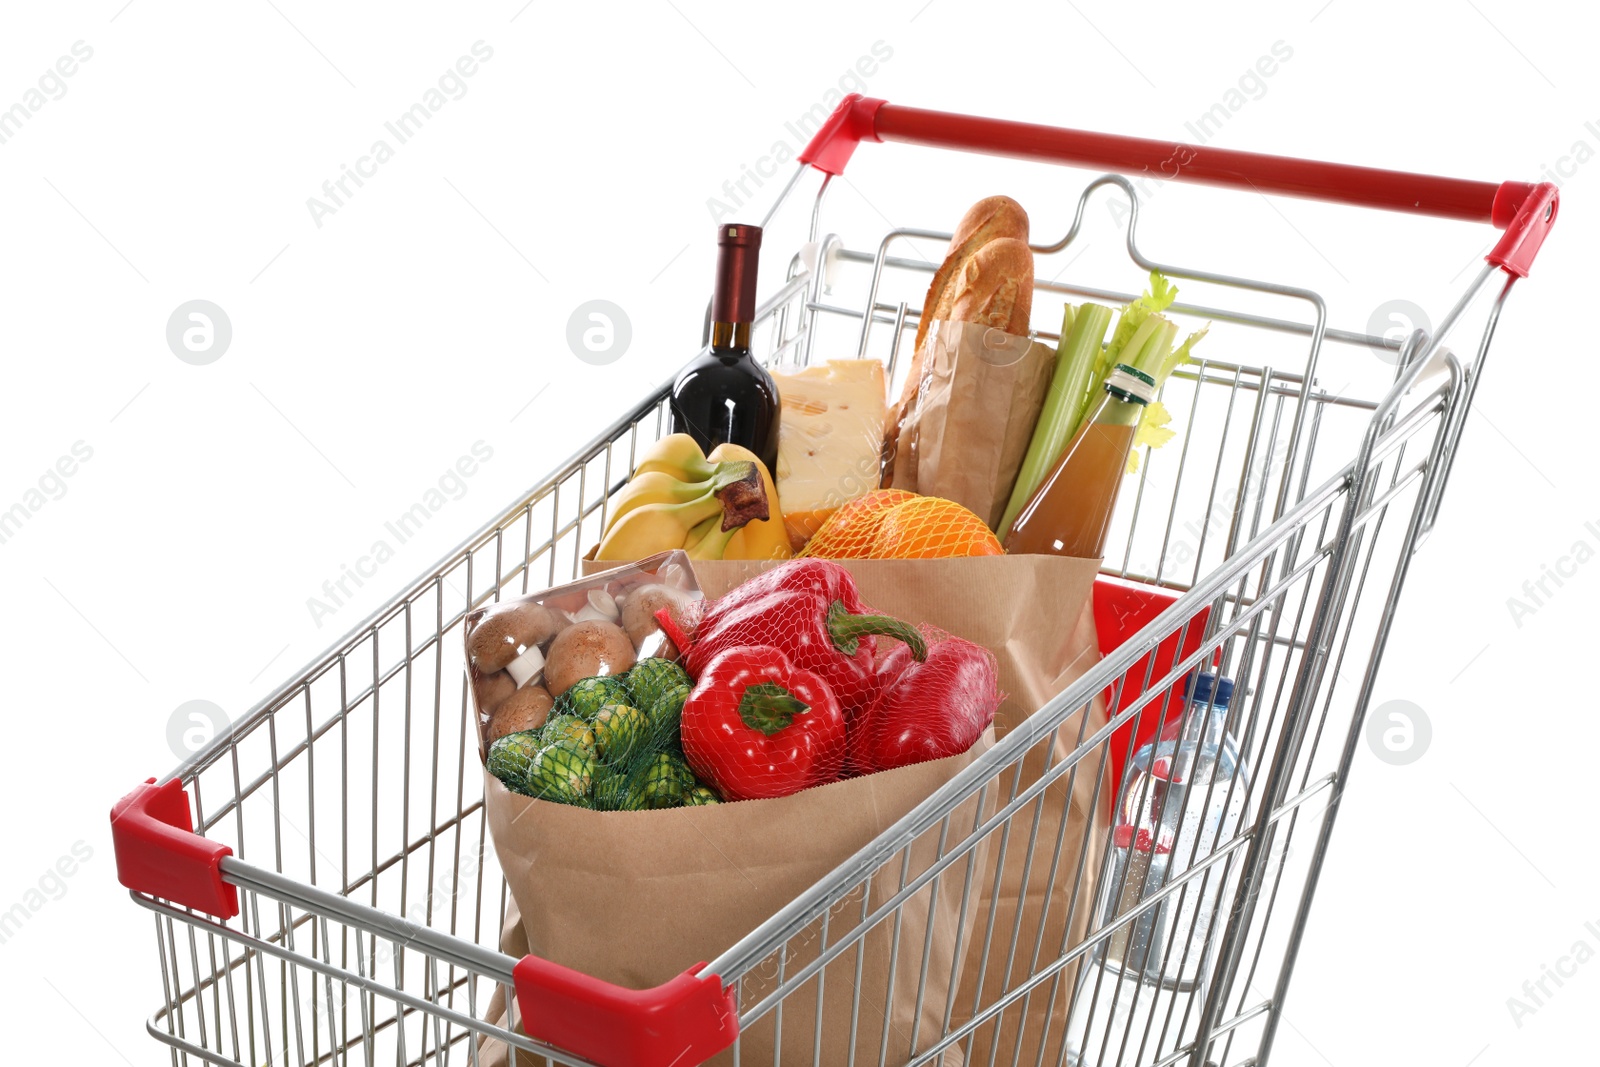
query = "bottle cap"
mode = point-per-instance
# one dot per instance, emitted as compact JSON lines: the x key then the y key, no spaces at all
{"x":738,"y":235}
{"x":1201,"y":687}
{"x":1129,"y":383}
{"x":738,"y":251}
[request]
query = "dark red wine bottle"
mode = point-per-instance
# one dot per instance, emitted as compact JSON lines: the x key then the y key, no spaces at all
{"x":724,"y":395}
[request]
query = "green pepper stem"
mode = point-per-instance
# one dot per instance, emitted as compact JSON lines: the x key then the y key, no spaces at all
{"x":769,"y":707}
{"x":846,"y":630}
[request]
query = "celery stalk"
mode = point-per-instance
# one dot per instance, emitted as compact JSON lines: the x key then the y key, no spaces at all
{"x":1147,"y":335}
{"x":1134,"y":317}
{"x":1083,"y":331}
{"x":1159,"y":360}
{"x":1180,"y":355}
{"x":1153,"y":356}
{"x":1087,"y":367}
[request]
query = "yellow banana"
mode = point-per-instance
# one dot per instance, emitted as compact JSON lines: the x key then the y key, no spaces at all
{"x":674,"y":471}
{"x":709,"y":540}
{"x":676,"y":488}
{"x":658,"y":527}
{"x":653,"y":487}
{"x":677,"y":455}
{"x":763,"y":539}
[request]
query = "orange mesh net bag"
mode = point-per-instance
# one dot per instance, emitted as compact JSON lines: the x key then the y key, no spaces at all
{"x":896,"y":524}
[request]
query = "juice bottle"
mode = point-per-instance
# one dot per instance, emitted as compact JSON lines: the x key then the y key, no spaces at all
{"x":1070,"y":512}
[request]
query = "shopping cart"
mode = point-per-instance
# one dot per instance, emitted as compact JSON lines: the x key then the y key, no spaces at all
{"x":334,"y":899}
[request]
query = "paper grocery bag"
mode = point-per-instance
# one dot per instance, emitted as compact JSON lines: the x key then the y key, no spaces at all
{"x":1036,"y":613}
{"x":637,"y":897}
{"x":968,"y":429}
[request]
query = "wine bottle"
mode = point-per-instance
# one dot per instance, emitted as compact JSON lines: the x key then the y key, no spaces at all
{"x":724,"y":395}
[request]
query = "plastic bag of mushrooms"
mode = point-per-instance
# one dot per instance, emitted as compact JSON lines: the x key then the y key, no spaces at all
{"x":524,"y":654}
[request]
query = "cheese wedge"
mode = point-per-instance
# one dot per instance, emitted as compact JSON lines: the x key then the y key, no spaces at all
{"x":829,"y":440}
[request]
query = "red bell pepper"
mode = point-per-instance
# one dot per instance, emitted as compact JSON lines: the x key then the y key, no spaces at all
{"x":757,"y":726}
{"x":805,"y":575}
{"x":818,"y":635}
{"x":926,"y":710}
{"x":810,"y":610}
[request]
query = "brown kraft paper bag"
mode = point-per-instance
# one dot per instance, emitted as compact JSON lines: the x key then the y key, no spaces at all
{"x":968,"y":430}
{"x":637,"y":897}
{"x":1036,"y":614}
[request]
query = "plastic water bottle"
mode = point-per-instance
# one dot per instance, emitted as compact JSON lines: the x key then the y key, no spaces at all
{"x":1183,"y":797}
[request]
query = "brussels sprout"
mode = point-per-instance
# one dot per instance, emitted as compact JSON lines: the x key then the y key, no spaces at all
{"x":620,"y":732}
{"x":651,"y":678}
{"x":615,"y":792}
{"x":569,"y":728}
{"x":561,"y":772}
{"x":700,"y":796}
{"x":664,"y":781}
{"x":588,"y":696}
{"x":666,"y":716}
{"x":511,"y":756}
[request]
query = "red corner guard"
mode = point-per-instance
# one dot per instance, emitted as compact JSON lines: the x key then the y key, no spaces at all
{"x":1527,"y":213}
{"x":851,"y":123}
{"x":159,"y":853}
{"x":677,"y":1024}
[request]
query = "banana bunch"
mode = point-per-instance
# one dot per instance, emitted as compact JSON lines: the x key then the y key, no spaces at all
{"x":722,"y":506}
{"x":762,"y":538}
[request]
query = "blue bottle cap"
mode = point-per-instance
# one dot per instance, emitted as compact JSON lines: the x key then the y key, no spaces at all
{"x":1201,"y":686}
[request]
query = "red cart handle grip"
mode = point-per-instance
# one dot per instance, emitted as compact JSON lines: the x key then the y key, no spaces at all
{"x":681,"y":1022}
{"x":1505,"y":204}
{"x":159,"y":853}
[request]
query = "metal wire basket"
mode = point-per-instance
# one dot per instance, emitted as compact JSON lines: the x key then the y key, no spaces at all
{"x":334,"y":899}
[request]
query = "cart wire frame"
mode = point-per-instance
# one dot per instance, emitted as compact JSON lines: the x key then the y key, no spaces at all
{"x":346,"y":810}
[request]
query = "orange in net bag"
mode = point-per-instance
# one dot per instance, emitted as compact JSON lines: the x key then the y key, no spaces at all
{"x":896,"y":524}
{"x":849,"y":532}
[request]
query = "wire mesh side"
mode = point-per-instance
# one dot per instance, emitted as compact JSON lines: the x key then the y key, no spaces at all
{"x":362,"y":778}
{"x":1013,"y":855}
{"x":285,"y":985}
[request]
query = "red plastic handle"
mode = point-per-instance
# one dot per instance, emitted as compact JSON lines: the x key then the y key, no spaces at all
{"x":859,"y":118}
{"x":159,"y":853}
{"x":682,"y":1022}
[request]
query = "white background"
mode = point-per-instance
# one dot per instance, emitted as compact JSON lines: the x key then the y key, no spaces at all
{"x":429,"y":312}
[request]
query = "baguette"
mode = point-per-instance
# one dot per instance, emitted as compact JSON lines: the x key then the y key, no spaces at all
{"x":991,"y":219}
{"x":996,"y":287}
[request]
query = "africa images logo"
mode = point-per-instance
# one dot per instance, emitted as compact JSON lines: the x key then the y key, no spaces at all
{"x":451,"y":85}
{"x":1537,"y":592}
